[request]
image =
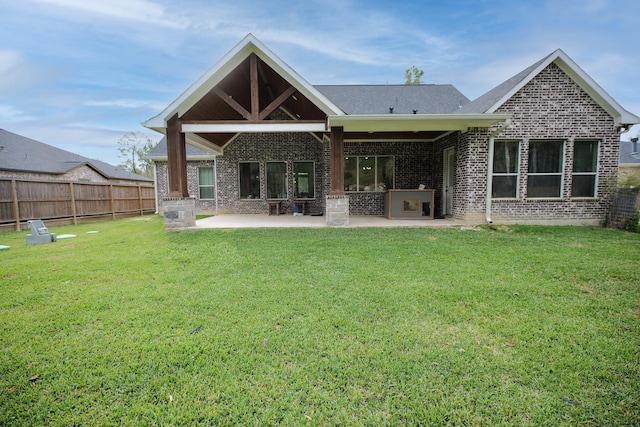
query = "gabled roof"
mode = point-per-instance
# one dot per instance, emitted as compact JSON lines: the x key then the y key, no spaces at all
{"x":496,"y":97}
{"x":21,"y":154}
{"x":228,"y":63}
{"x":404,"y":99}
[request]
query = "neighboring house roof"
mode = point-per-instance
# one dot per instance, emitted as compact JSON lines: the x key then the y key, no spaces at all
{"x":404,"y":99}
{"x":159,"y":152}
{"x":626,"y":146}
{"x":22,"y":154}
{"x":496,"y":97}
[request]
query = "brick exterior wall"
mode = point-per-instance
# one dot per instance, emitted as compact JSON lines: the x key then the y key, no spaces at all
{"x":264,"y":147}
{"x":552,"y":106}
{"x":413,"y":166}
{"x":162,"y":184}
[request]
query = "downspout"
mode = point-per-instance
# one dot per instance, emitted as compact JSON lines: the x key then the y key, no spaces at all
{"x":492,"y":136}
{"x":215,"y":180}
{"x":155,"y":184}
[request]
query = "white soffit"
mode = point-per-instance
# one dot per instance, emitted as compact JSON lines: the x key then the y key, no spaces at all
{"x":254,"y":127}
{"x":416,"y":122}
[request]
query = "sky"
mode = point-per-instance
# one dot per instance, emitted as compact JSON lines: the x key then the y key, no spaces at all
{"x":81,"y":74}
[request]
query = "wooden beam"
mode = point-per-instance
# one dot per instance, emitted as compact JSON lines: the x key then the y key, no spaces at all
{"x":232,"y":103}
{"x":255,"y":101}
{"x":277,"y":102}
{"x":336,"y":162}
{"x":176,"y":159}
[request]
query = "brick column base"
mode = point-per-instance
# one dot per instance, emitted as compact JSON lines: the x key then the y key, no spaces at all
{"x":337,"y":210}
{"x":179,"y":212}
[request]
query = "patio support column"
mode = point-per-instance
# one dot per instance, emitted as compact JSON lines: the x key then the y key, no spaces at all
{"x":179,"y":208}
{"x":337,"y":204}
{"x":177,"y":159}
{"x":336,"y":152}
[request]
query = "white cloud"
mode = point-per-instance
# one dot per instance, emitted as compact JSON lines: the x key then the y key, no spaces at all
{"x":10,"y":114}
{"x":127,"y":10}
{"x":9,"y":60}
{"x":124,"y":103}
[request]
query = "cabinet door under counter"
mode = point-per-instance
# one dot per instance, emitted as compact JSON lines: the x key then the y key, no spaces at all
{"x":409,"y":204}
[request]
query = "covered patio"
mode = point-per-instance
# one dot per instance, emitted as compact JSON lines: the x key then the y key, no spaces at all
{"x":311,"y":221}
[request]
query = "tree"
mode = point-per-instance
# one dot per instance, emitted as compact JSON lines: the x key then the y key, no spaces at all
{"x":133,"y":147}
{"x":413,"y":75}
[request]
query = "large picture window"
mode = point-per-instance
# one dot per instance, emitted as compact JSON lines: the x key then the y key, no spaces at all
{"x":585,"y":169}
{"x":206,"y":188}
{"x":506,"y":160}
{"x":368,"y":173}
{"x":303,"y":180}
{"x":249,"y":175}
{"x":546,"y":163}
{"x":277,"y":180}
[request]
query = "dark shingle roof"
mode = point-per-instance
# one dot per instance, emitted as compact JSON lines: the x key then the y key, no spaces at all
{"x":377,"y":99}
{"x":22,"y":154}
{"x":159,"y":152}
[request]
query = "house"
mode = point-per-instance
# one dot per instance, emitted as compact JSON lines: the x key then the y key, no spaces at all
{"x":630,"y":157}
{"x":542,"y":147}
{"x":25,"y":158}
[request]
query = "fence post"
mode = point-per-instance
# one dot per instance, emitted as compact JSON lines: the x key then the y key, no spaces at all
{"x":16,"y":209}
{"x":113,"y":205}
{"x":73,"y":203}
{"x":140,"y":200}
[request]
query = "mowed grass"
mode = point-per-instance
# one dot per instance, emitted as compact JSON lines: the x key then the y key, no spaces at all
{"x":136,"y":326}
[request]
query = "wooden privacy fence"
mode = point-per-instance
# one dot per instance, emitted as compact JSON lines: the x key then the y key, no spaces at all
{"x":64,"y":202}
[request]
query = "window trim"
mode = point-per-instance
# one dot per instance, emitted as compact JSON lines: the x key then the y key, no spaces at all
{"x":213,"y":183}
{"x":286,"y":179}
{"x":594,"y":173}
{"x":507,"y":174}
{"x":375,"y":172}
{"x":293,"y":177}
{"x":560,"y":173}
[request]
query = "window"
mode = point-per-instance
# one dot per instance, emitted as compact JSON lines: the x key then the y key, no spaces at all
{"x":506,"y":160}
{"x":206,"y":189}
{"x":368,"y":173}
{"x":303,"y":180}
{"x":546,"y":161}
{"x":249,"y":173}
{"x":585,"y":169}
{"x":277,"y":180}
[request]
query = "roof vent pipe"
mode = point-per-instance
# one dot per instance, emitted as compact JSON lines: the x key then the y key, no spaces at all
{"x":390,"y":110}
{"x":490,"y":168}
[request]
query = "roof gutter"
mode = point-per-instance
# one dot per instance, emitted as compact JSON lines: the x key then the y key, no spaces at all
{"x":492,"y":137}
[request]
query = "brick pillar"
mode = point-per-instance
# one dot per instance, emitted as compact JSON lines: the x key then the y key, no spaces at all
{"x":337,"y":210}
{"x":179,"y":212}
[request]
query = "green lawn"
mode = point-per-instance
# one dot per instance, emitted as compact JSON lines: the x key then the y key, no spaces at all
{"x":136,"y":326}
